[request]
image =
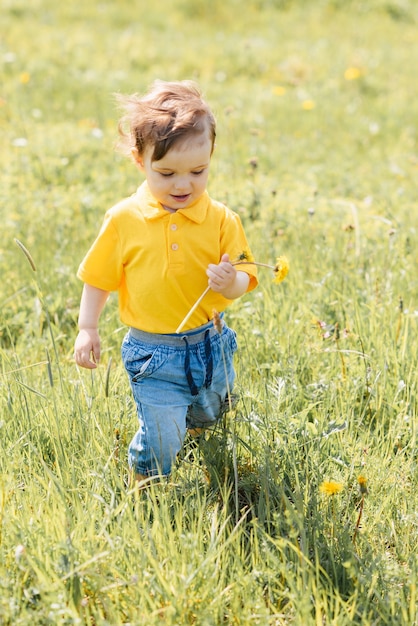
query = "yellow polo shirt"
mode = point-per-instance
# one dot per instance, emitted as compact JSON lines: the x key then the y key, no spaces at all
{"x":157,"y":260}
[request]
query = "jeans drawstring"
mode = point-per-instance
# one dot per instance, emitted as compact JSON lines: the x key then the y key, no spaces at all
{"x":209,"y":360}
{"x":209,"y":364}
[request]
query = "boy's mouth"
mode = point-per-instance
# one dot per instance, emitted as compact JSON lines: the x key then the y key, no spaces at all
{"x":181,"y":198}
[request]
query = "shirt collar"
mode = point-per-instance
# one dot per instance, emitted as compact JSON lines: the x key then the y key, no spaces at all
{"x":152,"y":209}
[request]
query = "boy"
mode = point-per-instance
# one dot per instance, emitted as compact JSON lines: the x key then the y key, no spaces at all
{"x":160,"y":249}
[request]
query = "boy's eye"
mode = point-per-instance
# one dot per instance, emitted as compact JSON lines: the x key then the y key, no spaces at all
{"x":168,"y":174}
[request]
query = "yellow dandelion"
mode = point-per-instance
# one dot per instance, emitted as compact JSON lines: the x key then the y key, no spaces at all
{"x":86,"y":123}
{"x":362,"y":481}
{"x":352,"y":73}
{"x":308,"y":105}
{"x":330,"y":487}
{"x":281,"y":269}
{"x":279,"y":90}
{"x":245,"y":255}
{"x":24,"y":78}
{"x":244,"y":258}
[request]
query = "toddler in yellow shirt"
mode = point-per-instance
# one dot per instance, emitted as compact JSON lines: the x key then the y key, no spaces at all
{"x":159,"y":249}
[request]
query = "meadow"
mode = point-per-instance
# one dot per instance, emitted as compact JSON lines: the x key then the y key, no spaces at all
{"x":301,"y":507}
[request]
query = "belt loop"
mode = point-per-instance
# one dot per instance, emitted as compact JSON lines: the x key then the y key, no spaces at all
{"x":193,"y":389}
{"x":209,"y":360}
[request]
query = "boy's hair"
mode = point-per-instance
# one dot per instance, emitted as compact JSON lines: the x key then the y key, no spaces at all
{"x":169,"y":112}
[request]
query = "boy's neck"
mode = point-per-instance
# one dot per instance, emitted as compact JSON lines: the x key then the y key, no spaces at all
{"x":167,"y":208}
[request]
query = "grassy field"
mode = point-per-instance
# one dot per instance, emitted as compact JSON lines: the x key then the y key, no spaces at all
{"x":302,"y":507}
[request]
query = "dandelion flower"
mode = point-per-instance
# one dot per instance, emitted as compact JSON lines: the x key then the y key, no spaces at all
{"x":244,"y":258}
{"x":308,"y":105}
{"x":331,"y":487}
{"x":352,"y":73}
{"x":245,"y":255}
{"x":279,"y":90}
{"x":281,"y":269}
{"x":362,"y":481}
{"x":24,"y":78}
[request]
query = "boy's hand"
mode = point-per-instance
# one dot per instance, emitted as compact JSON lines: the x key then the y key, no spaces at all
{"x":221,"y":276}
{"x":87,"y":348}
{"x":225,"y":279}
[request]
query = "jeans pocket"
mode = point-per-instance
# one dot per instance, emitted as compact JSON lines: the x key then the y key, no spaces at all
{"x":140,"y":360}
{"x":141,"y":367}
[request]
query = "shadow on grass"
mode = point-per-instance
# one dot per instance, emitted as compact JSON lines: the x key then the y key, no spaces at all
{"x":295,"y":527}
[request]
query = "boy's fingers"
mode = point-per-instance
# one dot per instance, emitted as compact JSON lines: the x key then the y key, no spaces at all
{"x":96,"y":354}
{"x":82,"y":357}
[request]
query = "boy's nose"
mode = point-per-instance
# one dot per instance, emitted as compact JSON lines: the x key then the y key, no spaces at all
{"x":181,"y":183}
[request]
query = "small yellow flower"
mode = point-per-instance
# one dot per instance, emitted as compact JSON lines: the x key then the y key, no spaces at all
{"x":24,"y":78}
{"x":279,"y":90}
{"x":352,"y":73}
{"x":331,"y":487}
{"x":245,"y":255}
{"x":244,"y":258}
{"x":362,"y":481}
{"x":308,"y":105}
{"x":87,"y":123}
{"x":281,"y":269}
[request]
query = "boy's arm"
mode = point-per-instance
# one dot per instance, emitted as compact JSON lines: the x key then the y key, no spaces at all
{"x":225,"y":279}
{"x":87,"y":344}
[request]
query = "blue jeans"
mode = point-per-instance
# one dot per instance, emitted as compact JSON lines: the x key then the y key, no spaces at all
{"x":178,"y":382}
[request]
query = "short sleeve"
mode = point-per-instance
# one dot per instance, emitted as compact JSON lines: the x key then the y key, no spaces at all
{"x":102,"y":267}
{"x":234,"y":242}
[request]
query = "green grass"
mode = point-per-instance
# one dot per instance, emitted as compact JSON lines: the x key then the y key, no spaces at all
{"x":317,"y":150}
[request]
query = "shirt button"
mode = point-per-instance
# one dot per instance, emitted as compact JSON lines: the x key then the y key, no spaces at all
{"x":174,"y":246}
{"x":173,"y":226}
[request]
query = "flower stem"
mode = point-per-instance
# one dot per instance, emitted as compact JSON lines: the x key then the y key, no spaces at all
{"x":271,"y":267}
{"x":192,"y":310}
{"x":199,"y":300}
{"x":358,"y":520}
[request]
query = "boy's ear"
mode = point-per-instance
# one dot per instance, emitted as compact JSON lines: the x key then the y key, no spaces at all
{"x":137,"y":158}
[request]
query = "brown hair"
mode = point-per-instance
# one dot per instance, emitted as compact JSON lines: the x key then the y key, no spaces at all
{"x":169,"y":112}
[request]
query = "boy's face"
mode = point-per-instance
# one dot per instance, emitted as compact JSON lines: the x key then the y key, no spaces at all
{"x":180,"y":177}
